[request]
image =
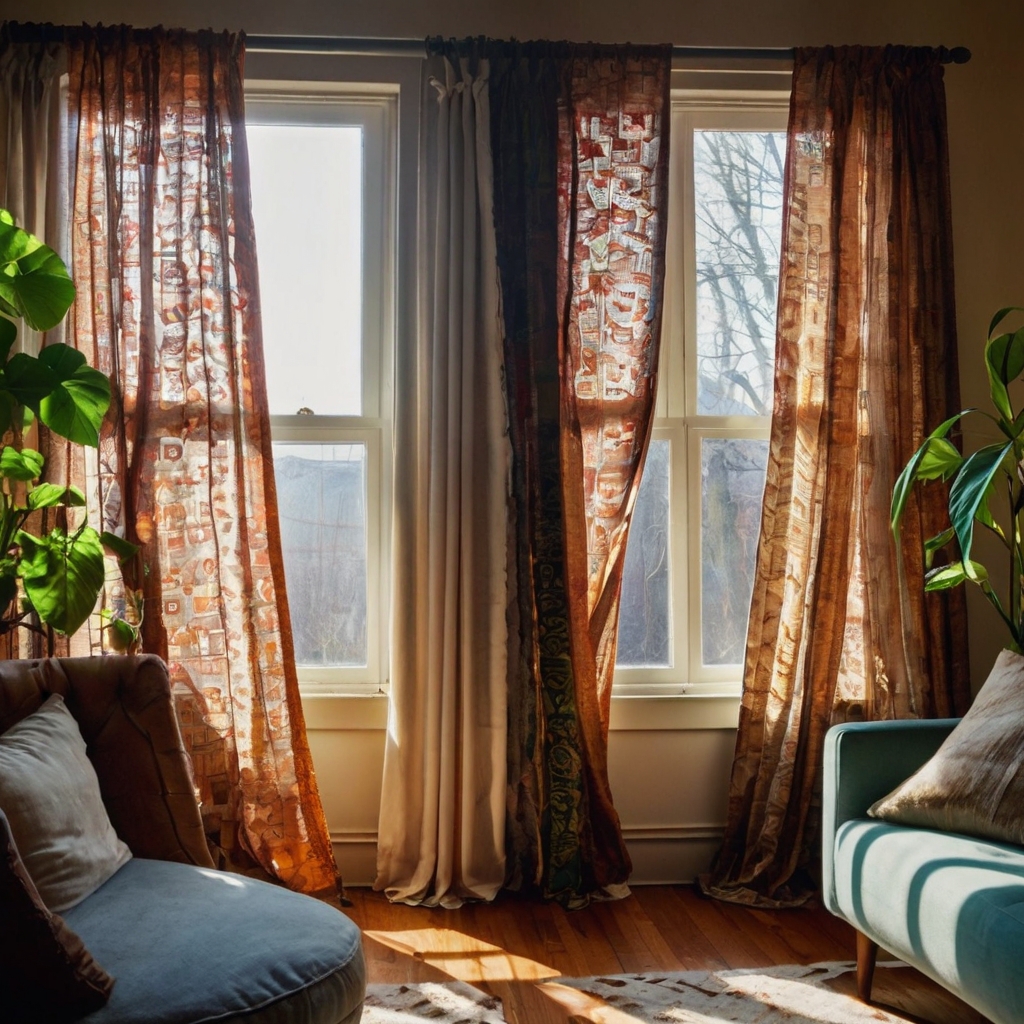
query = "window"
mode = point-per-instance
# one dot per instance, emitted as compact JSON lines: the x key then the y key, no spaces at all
{"x":688,"y":573}
{"x":322,"y":163}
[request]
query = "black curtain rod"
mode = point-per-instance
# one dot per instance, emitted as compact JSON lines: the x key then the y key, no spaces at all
{"x":370,"y":47}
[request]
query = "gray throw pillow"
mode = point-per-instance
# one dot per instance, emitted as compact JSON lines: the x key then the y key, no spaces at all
{"x":974,"y":783}
{"x":51,"y":796}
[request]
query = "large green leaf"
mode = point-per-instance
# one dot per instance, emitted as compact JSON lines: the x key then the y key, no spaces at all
{"x":23,"y":465}
{"x":947,"y":576}
{"x":1004,"y":359}
{"x":122,"y":549}
{"x":27,"y":379}
{"x":936,"y":543}
{"x":905,"y":482}
{"x":80,"y":397}
{"x":62,"y":575}
{"x":1000,"y":316}
{"x":34,"y":283}
{"x":941,"y":460}
{"x":970,"y":489}
{"x":50,"y":495}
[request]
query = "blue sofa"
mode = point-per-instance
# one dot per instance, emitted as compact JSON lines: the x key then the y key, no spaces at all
{"x":950,"y":905}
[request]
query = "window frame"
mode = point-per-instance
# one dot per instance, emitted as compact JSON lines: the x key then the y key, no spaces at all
{"x":676,"y":419}
{"x":374,"y":107}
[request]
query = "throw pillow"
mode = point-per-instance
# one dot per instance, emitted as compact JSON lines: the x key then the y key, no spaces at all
{"x":974,"y":784}
{"x":46,"y":973}
{"x":51,"y":796}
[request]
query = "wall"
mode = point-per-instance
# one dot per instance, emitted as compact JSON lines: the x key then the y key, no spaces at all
{"x":670,"y":756}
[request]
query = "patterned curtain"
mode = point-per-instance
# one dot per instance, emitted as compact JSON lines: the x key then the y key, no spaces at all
{"x":164,"y":261}
{"x":580,"y":145}
{"x":866,"y":366}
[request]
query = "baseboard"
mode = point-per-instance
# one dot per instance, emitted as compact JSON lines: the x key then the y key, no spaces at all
{"x":663,"y":855}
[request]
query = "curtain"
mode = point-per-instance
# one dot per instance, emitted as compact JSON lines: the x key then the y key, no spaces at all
{"x":580,"y":139}
{"x":33,"y":180}
{"x":866,"y":366}
{"x":164,"y":261}
{"x":442,"y":820}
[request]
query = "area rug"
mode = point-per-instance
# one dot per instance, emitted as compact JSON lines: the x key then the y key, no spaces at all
{"x":773,"y":995}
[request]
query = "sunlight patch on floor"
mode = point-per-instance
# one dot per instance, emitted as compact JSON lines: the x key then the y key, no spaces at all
{"x":462,"y":956}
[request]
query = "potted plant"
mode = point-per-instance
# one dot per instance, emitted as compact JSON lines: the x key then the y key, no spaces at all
{"x":986,"y":486}
{"x":55,"y":578}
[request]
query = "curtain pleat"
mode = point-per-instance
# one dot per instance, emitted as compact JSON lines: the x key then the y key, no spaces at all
{"x":33,"y":182}
{"x":866,"y":366}
{"x":442,"y":821}
{"x":581,"y":146}
{"x":163,"y":256}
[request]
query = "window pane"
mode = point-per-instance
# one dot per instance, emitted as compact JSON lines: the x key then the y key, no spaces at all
{"x":307,"y":204}
{"x":644,"y":614}
{"x":321,"y":495}
{"x":732,"y":472}
{"x":738,"y":220}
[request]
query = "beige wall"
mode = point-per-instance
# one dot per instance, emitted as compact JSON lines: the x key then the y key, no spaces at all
{"x":670,"y":767}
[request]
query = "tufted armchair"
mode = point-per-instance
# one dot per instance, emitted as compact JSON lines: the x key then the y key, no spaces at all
{"x":183,"y":943}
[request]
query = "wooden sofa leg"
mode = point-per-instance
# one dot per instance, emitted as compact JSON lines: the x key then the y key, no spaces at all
{"x":867,"y":951}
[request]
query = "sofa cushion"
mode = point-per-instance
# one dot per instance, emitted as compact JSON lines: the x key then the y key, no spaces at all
{"x":46,"y":973}
{"x":951,"y":904}
{"x":190,"y":944}
{"x":51,"y":796}
{"x":974,"y":783}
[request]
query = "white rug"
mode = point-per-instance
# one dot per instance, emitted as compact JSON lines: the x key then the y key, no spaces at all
{"x":792,"y":994}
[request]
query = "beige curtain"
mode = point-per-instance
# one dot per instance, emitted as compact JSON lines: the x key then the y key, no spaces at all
{"x":866,"y":366}
{"x":442,"y":819}
{"x":33,"y":181}
{"x":33,"y":165}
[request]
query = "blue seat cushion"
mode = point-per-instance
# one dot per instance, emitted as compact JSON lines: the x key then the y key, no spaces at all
{"x":950,"y":904}
{"x":188,"y":944}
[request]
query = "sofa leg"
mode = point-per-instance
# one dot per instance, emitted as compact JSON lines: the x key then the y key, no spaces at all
{"x":867,"y":951}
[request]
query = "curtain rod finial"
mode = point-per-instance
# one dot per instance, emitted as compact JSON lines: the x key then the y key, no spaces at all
{"x":956,"y":55}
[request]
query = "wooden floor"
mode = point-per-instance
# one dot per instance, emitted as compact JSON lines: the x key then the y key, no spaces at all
{"x":511,"y":945}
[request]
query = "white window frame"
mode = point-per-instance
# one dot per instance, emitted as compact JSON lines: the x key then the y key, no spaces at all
{"x":676,"y":420}
{"x":374,"y":107}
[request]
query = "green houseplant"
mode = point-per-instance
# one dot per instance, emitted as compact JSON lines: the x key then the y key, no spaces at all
{"x":62,"y":572}
{"x":986,"y":486}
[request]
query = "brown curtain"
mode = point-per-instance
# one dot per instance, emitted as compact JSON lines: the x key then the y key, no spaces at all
{"x":580,"y":145}
{"x":165,"y":265}
{"x":866,"y":366}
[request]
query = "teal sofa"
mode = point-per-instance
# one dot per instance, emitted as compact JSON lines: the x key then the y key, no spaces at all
{"x":950,"y":905}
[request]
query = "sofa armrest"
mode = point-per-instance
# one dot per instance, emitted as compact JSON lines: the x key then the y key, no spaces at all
{"x":863,"y":762}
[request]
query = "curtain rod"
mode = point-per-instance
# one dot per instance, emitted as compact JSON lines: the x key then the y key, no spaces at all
{"x":372,"y":47}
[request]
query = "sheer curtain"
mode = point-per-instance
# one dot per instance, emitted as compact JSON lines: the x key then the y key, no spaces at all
{"x":442,"y":820}
{"x":164,"y":261}
{"x":866,"y":366}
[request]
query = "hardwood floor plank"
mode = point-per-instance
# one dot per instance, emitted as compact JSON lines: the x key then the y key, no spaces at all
{"x":687,"y":942}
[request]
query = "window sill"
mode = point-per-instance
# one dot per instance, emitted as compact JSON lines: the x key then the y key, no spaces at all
{"x":630,"y":713}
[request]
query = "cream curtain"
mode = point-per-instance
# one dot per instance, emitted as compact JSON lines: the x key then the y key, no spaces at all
{"x":33,"y":165}
{"x":442,"y":819}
